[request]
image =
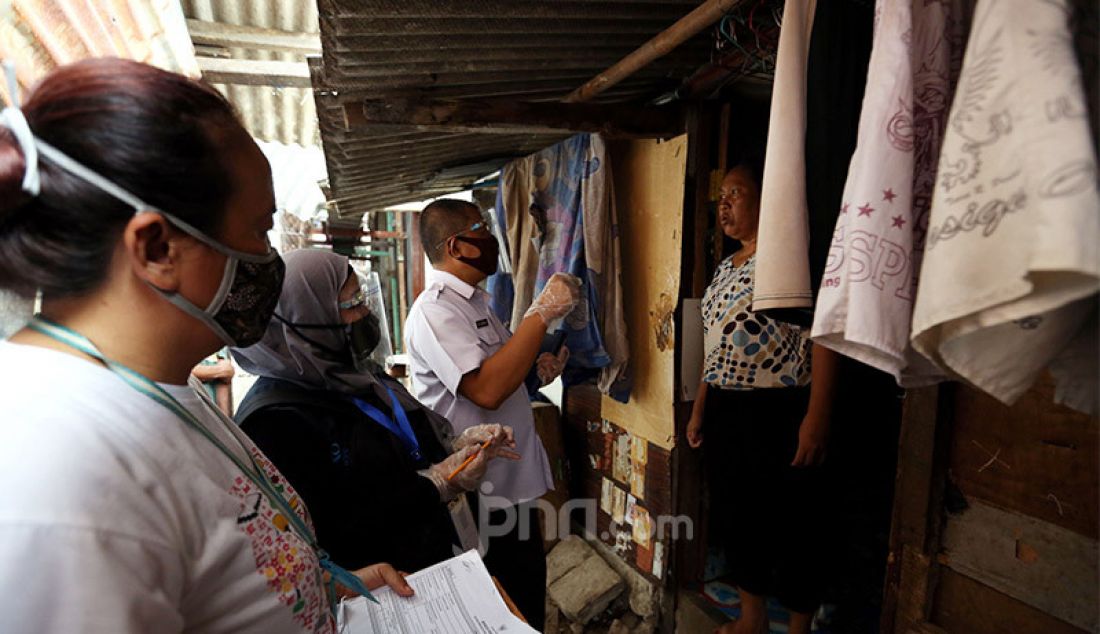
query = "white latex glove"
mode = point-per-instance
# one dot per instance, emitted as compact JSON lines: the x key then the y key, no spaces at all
{"x":451,"y":484}
{"x":500,"y":437}
{"x":558,"y":298}
{"x":550,"y":366}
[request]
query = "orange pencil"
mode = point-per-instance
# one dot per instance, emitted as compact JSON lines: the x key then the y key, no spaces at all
{"x":468,"y":460}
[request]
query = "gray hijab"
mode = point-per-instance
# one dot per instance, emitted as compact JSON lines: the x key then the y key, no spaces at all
{"x":310,"y":295}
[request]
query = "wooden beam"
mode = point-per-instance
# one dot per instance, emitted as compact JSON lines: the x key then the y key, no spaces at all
{"x":224,"y":35}
{"x":700,"y":18}
{"x":254,"y":72}
{"x":514,"y":117}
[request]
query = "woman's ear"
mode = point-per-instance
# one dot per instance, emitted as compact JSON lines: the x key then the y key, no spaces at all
{"x":153,"y":248}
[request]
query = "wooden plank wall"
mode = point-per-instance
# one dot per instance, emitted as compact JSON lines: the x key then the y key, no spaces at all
{"x":995,"y":521}
{"x":1029,"y":474}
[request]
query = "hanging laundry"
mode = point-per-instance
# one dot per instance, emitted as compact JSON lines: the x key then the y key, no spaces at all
{"x":782,"y":279}
{"x":1012,"y":262}
{"x":865,"y":301}
{"x":840,"y":50}
{"x":558,"y":213}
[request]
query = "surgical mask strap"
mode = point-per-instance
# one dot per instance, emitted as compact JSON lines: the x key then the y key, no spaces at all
{"x":295,"y":328}
{"x":32,"y":147}
{"x":70,"y":165}
{"x":13,"y":119}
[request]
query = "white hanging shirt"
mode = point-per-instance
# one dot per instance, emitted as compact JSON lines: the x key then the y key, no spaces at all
{"x":117,"y":518}
{"x":783,"y":237}
{"x":865,"y":301}
{"x":1012,"y":259}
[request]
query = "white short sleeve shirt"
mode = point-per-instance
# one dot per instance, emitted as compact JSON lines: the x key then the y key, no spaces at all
{"x":450,"y":331}
{"x":115,"y":517}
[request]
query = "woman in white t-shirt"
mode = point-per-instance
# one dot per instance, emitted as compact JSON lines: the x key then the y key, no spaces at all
{"x":134,"y":201}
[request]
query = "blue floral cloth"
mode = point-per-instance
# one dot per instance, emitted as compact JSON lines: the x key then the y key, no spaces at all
{"x":555,"y":207}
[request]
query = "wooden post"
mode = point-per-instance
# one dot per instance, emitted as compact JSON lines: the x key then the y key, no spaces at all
{"x":416,"y":255}
{"x":912,"y":569}
{"x":687,"y":472}
{"x":400,"y":251}
{"x":723,"y":165}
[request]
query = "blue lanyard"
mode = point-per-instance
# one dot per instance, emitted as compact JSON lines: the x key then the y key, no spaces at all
{"x":155,"y":392}
{"x":401,"y":428}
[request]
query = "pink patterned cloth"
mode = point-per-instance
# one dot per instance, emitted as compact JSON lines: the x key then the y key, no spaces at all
{"x":865,"y":302}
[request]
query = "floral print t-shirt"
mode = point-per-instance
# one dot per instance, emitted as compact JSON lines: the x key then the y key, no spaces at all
{"x":747,"y":350}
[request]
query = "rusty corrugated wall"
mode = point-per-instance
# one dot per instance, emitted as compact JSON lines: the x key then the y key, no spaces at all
{"x":39,"y":35}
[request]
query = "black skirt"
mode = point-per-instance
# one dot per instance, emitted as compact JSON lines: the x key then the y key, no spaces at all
{"x":767,"y":514}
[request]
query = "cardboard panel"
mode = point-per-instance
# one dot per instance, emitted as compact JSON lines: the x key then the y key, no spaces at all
{"x":691,"y":348}
{"x":649,"y":194}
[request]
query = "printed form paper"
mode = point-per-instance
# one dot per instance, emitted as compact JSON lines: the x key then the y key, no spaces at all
{"x":456,"y":596}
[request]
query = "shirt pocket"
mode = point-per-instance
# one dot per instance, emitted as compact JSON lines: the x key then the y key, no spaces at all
{"x":488,"y":338}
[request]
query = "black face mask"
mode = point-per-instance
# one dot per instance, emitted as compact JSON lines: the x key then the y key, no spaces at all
{"x":363,"y":336}
{"x":487,"y":260}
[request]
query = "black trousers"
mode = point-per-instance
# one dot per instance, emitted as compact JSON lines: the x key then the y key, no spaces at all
{"x":517,"y":559}
{"x":767,"y":514}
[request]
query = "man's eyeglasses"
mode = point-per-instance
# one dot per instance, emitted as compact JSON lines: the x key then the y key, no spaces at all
{"x":485,"y":223}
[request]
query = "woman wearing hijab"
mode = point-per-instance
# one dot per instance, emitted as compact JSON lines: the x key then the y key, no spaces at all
{"x":373,"y":465}
{"x":134,"y":203}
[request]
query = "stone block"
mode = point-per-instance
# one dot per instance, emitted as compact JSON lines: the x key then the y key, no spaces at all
{"x":644,"y":594}
{"x":586,"y":590}
{"x":567,"y":555}
{"x":626,"y":624}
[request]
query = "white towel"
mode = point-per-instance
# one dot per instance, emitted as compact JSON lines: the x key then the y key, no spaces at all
{"x":865,"y":301}
{"x":1012,"y":263}
{"x":783,"y":238}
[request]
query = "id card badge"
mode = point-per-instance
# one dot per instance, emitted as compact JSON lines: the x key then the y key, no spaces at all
{"x":463,"y":519}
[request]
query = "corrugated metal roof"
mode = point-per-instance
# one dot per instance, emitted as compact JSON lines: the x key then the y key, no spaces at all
{"x":525,"y":50}
{"x":39,"y":35}
{"x":284,"y":113}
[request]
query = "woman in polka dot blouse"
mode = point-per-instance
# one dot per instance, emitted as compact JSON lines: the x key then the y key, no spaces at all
{"x":765,"y":429}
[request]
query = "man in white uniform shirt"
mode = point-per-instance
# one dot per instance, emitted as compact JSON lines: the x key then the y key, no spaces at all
{"x":467,"y":366}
